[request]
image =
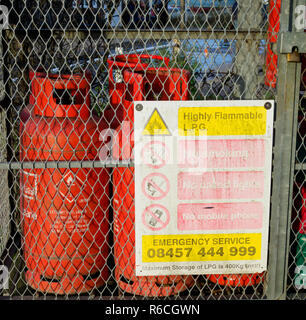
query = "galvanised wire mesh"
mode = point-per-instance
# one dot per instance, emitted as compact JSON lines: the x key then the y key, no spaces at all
{"x":297,"y":254}
{"x":67,"y":227}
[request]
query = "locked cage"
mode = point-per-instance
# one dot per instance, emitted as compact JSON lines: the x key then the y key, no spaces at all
{"x":69,"y":72}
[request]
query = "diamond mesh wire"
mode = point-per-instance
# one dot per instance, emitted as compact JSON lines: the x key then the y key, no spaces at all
{"x":63,"y":209}
{"x":297,"y":253}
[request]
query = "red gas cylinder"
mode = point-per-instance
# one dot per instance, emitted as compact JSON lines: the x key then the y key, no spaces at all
{"x":27,"y":111}
{"x":302,"y":220}
{"x":271,"y":57}
{"x":273,"y":28}
{"x":304,"y":70}
{"x":116,"y":67}
{"x":237,"y":280}
{"x":39,"y":73}
{"x":64,"y":212}
{"x":152,"y":84}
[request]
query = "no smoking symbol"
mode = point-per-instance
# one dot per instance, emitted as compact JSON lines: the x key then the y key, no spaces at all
{"x":155,"y":186}
{"x":156,"y":217}
{"x":155,"y":154}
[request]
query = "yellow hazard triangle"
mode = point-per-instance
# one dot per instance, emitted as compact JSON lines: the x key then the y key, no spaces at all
{"x":156,"y":126}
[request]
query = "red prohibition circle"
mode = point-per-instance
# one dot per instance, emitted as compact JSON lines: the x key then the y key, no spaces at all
{"x":149,"y":211}
{"x":162,"y":192}
{"x":147,"y":147}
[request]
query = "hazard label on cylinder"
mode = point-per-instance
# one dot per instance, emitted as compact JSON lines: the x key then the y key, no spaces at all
{"x":202,"y":186}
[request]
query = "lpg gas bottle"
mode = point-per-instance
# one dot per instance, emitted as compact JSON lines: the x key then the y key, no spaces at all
{"x":151,"y":84}
{"x":237,"y":280}
{"x":271,"y":56}
{"x":64,"y":211}
{"x":28,"y":110}
{"x":116,"y":66}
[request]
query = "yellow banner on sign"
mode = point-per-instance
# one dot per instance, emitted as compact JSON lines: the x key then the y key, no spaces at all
{"x":222,"y":121}
{"x":201,"y":247}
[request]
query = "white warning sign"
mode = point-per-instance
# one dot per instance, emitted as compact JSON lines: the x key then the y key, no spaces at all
{"x":202,"y":186}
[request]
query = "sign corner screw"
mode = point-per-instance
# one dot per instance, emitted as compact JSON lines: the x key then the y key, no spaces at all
{"x":268,"y":105}
{"x":139,"y":107}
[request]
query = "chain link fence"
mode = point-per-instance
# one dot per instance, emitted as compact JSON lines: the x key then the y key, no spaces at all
{"x":297,"y":254}
{"x":66,"y":214}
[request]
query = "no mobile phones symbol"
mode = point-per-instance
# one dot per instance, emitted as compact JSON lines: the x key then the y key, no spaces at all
{"x":156,"y":217}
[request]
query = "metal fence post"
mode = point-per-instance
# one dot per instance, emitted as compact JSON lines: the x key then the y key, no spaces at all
{"x":289,"y":75}
{"x":283,"y":171}
{"x":4,"y":185}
